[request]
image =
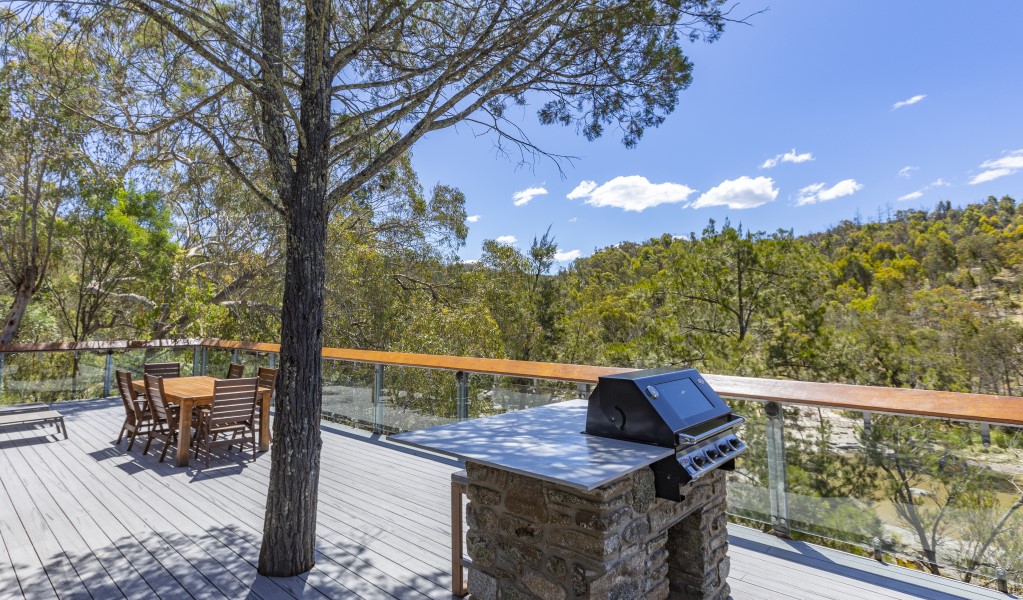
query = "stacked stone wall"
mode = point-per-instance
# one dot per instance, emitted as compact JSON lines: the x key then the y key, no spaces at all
{"x":531,"y":539}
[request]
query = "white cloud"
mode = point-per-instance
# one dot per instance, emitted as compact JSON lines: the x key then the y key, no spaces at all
{"x":573,"y":220}
{"x":1001,"y":167}
{"x":908,"y":101}
{"x":907,"y":171}
{"x":819,"y":192}
{"x":472,"y":218}
{"x":471,"y":261}
{"x":939,"y":182}
{"x":566,"y":256}
{"x":523,"y":197}
{"x":582,"y":190}
{"x":740,"y":193}
{"x":789,"y":157}
{"x":631,"y":193}
{"x":507,"y":240}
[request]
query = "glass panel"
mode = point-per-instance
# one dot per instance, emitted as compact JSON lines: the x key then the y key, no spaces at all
{"x":931,"y":491}
{"x":417,"y":398}
{"x":504,"y":394}
{"x":52,"y":376}
{"x":748,"y":497}
{"x":135,"y":360}
{"x":217,"y":362}
{"x":252,"y":361}
{"x":348,"y":393}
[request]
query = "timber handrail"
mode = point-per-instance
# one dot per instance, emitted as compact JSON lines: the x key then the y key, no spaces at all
{"x":1007,"y":410}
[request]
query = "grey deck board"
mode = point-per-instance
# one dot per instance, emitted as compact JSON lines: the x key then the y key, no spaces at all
{"x":83,"y":518}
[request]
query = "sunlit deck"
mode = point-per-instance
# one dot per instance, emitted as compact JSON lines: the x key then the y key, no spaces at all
{"x":81,"y":518}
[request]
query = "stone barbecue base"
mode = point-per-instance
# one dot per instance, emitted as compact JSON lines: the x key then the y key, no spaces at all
{"x":529,"y":538}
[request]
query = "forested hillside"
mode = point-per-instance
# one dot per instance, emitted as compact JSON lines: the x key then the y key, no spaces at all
{"x":920,"y":299}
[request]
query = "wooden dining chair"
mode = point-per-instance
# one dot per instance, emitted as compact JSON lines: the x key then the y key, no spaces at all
{"x":137,"y":416}
{"x":233,"y":412}
{"x":162,"y":369}
{"x":165,"y":417}
{"x":267,"y":379}
{"x":235,"y":371}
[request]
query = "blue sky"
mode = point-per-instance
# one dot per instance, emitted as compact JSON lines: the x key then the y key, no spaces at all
{"x":818,"y":112}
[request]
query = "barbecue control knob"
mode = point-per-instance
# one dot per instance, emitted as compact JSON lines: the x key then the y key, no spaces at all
{"x":713,"y":454}
{"x":724,"y":447}
{"x":699,"y":461}
{"x":735,"y":443}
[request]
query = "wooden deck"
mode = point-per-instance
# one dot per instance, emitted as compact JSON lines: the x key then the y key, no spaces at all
{"x":81,"y":518}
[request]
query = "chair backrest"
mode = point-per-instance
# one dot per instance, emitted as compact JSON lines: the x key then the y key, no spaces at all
{"x":162,"y":369}
{"x":235,"y":371}
{"x":234,"y":401}
{"x":128,"y":395}
{"x":154,"y":395}
{"x":267,"y":377}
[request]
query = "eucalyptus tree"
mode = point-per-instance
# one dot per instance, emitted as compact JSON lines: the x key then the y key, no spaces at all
{"x":342,"y":89}
{"x":41,"y":156}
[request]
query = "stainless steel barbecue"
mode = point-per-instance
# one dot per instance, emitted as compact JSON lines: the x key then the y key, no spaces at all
{"x":671,"y":408}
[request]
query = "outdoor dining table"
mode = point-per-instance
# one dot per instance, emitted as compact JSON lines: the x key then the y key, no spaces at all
{"x":189,"y":392}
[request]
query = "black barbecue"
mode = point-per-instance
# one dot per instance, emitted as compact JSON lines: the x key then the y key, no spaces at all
{"x":671,"y":408}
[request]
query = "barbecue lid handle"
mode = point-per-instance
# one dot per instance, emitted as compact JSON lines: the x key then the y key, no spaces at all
{"x":734,"y":421}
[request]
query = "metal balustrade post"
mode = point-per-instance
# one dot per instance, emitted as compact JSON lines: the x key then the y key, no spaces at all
{"x":108,"y":373}
{"x":776,"y":477}
{"x":74,"y":375}
{"x":985,"y":434}
{"x":378,"y":398}
{"x":205,"y":356}
{"x":1002,"y":578}
{"x":1,"y":372}
{"x":234,"y":356}
{"x":272,"y":359}
{"x":867,"y":422}
{"x":196,"y":361}
{"x":462,"y":407}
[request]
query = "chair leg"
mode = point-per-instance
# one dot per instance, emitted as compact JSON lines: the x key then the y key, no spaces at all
{"x":149,"y":441}
{"x":120,"y":436}
{"x":131,"y":439}
{"x":166,"y":446}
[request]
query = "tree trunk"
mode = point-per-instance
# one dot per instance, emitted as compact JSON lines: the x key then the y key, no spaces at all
{"x":22,"y":296}
{"x":289,"y":529}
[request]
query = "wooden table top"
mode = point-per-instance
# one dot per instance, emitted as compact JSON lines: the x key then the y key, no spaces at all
{"x":197,"y":389}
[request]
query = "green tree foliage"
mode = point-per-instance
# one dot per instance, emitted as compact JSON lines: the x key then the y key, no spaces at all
{"x":42,"y":154}
{"x":114,"y":240}
{"x":524,"y":297}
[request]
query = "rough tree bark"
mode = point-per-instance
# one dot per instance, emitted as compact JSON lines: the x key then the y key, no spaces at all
{"x":289,"y":530}
{"x":22,"y":296}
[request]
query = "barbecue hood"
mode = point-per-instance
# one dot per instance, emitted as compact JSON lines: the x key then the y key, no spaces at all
{"x":671,"y":408}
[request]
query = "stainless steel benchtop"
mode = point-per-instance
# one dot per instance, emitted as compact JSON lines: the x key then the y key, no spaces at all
{"x":546,"y":442}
